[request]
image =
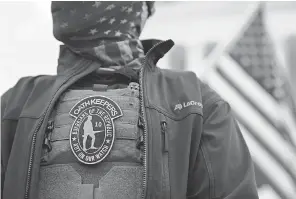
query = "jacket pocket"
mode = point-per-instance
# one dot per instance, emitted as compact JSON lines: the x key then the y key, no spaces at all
{"x":165,"y":159}
{"x":63,"y":182}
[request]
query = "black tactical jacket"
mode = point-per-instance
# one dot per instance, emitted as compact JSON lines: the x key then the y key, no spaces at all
{"x":199,"y":154}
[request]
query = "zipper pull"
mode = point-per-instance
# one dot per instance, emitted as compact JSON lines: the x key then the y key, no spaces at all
{"x":165,"y":137}
{"x":140,"y":122}
{"x":140,"y":142}
{"x":47,"y":139}
{"x":134,"y":87}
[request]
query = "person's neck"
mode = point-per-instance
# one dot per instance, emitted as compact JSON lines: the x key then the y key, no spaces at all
{"x":111,"y":52}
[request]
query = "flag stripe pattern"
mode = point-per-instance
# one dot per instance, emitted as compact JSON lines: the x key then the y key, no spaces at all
{"x":248,"y":76}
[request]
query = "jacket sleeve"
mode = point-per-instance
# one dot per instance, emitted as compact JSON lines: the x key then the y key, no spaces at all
{"x":8,"y":127}
{"x":223,"y":168}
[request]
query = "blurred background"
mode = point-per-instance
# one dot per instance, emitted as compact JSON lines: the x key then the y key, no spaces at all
{"x":246,"y":51}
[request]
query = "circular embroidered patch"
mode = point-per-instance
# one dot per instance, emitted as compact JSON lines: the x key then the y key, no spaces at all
{"x":92,"y":133}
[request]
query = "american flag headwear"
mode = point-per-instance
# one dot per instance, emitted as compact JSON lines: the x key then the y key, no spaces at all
{"x":104,"y":30}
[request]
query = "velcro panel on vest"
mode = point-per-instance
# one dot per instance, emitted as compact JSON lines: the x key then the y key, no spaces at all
{"x":63,"y":176}
{"x":125,"y":127}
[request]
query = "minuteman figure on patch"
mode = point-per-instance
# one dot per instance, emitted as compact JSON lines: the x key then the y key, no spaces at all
{"x":92,"y":133}
{"x":89,"y":131}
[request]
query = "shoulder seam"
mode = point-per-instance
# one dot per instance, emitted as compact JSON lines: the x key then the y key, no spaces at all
{"x":209,"y":109}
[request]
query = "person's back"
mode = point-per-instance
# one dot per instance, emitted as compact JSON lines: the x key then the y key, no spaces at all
{"x":111,"y":124}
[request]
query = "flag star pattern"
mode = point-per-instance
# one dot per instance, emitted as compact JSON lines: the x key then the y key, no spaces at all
{"x":254,"y":53}
{"x":93,"y":31}
{"x":132,"y":24}
{"x":86,"y":16}
{"x":109,"y":28}
{"x":102,"y":19}
{"x":112,"y":20}
{"x":107,"y":32}
{"x":123,"y":21}
{"x":110,"y":7}
{"x":117,"y":33}
{"x":129,"y":10}
{"x":96,"y":4}
{"x":123,"y":8}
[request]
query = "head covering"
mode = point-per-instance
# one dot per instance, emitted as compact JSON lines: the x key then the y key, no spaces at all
{"x":103,"y":30}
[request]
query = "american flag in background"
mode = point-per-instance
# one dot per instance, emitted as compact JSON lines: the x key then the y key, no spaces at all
{"x":247,"y":75}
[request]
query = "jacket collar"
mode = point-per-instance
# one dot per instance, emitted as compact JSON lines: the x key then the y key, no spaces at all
{"x":154,"y":50}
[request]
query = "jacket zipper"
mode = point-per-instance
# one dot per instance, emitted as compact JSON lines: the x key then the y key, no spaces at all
{"x":165,"y":158}
{"x":32,"y":151}
{"x":143,"y":116}
{"x":144,"y":184}
{"x":47,"y":140}
{"x":163,"y":125}
{"x":48,"y":133}
{"x":31,"y":156}
{"x":28,"y":182}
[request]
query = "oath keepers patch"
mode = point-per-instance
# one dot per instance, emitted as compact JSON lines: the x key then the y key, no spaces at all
{"x":92,"y":133}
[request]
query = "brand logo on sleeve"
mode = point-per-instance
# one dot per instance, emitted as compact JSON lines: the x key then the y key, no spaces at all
{"x":187,"y":104}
